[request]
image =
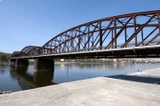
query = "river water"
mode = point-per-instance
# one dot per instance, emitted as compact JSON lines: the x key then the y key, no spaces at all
{"x":17,"y":79}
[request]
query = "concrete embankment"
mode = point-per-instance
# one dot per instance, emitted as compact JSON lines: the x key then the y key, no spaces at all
{"x":148,"y":76}
{"x":100,"y":91}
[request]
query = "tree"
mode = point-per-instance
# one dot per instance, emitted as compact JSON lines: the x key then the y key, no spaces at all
{"x":4,"y":57}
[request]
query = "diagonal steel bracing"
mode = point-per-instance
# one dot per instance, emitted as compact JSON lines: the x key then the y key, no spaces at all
{"x":122,"y":31}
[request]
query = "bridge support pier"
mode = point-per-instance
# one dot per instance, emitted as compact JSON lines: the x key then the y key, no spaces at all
{"x":43,"y":71}
{"x":43,"y":64}
{"x":21,"y":62}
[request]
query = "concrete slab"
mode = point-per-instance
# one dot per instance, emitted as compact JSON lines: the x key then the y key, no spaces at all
{"x":100,"y":91}
{"x":155,"y":73}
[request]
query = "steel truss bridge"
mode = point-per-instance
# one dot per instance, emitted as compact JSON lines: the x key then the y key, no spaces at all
{"x":122,"y":36}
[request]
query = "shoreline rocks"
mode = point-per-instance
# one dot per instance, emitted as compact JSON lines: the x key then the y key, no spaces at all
{"x":5,"y":92}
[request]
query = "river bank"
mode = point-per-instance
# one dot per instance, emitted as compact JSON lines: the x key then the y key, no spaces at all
{"x":5,"y":92}
{"x":18,"y":79}
{"x":99,"y":91}
{"x":154,"y":73}
{"x":146,"y":76}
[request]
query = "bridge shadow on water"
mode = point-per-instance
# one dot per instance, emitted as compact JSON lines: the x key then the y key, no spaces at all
{"x":144,"y":79}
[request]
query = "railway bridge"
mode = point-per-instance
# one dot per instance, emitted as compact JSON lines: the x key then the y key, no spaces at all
{"x":133,"y":35}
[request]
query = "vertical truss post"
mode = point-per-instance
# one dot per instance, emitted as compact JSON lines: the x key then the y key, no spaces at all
{"x":89,"y":40}
{"x":79,"y":43}
{"x":159,"y":22}
{"x":142,"y":37}
{"x":112,"y":37}
{"x":101,"y":35}
{"x":92,"y":41}
{"x":125,"y":31}
{"x":115,"y":34}
{"x":135,"y":28}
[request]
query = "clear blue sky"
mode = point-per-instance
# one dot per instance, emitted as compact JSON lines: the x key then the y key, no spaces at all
{"x":34,"y":22}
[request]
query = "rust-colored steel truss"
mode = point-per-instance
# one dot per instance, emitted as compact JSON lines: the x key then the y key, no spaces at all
{"x":123,"y":31}
{"x":30,"y":50}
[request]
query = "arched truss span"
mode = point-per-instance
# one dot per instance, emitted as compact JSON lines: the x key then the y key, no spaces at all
{"x":30,"y":50}
{"x":15,"y":54}
{"x":129,"y":30}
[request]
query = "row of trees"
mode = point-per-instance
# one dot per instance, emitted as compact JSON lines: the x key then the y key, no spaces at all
{"x":4,"y":57}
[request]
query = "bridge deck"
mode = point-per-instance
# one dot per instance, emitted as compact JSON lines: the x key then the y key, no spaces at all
{"x":132,"y":52}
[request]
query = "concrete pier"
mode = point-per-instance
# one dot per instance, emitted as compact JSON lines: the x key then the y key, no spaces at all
{"x":100,"y":91}
{"x":43,"y":71}
{"x":42,"y":64}
{"x":19,"y":62}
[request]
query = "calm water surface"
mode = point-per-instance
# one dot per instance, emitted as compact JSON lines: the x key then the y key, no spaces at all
{"x":16,"y":79}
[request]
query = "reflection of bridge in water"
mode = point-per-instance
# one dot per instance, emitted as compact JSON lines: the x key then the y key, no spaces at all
{"x":124,"y":36}
{"x":28,"y":81}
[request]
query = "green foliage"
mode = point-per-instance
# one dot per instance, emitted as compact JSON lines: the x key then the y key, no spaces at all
{"x":4,"y":57}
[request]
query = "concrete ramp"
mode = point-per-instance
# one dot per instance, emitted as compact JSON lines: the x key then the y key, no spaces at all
{"x":100,"y":91}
